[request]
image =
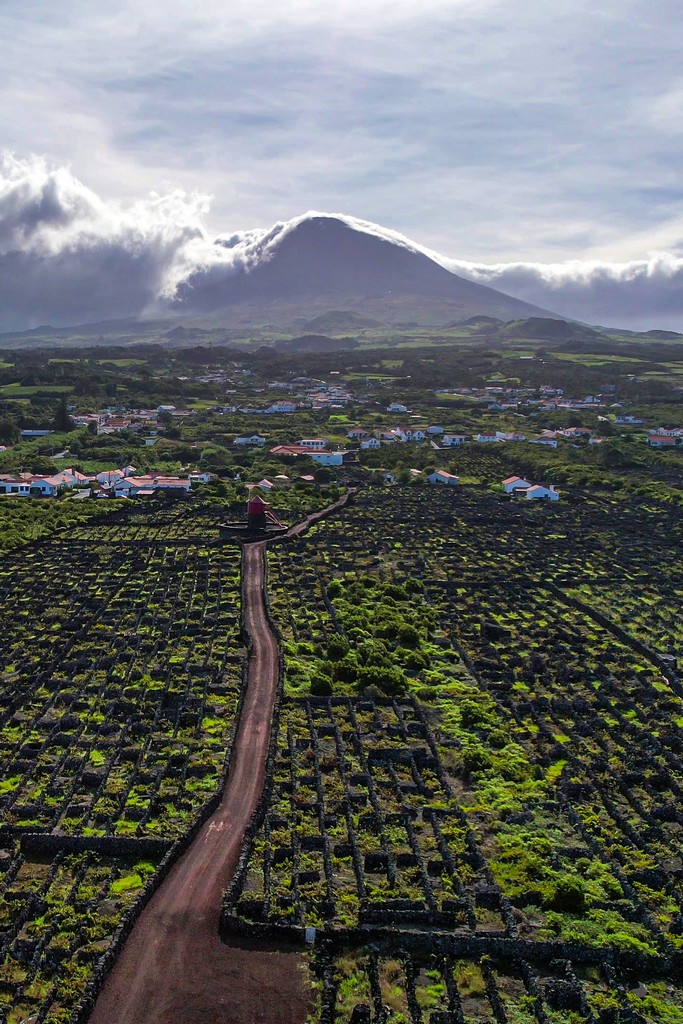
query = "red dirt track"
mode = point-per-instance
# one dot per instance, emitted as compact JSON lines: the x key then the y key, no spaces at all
{"x":174,"y":969}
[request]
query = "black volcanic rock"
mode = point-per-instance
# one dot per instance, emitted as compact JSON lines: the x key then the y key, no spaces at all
{"x":325,"y":263}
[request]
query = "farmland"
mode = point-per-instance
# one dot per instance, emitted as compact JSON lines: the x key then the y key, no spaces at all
{"x":481,"y":739}
{"x":473,"y":792}
{"x":122,"y":670}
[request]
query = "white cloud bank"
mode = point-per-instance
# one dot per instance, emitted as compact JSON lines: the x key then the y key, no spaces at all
{"x":67,"y":256}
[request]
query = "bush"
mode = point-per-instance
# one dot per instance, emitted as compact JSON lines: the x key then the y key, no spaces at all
{"x":568,"y":894}
{"x":337,"y":648}
{"x":388,"y":679}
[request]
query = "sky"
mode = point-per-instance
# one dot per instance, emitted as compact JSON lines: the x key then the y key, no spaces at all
{"x":538,"y":145}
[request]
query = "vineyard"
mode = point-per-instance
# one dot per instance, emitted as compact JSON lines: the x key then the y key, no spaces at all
{"x":472,"y":810}
{"x":122,"y":671}
{"x":479,"y":756}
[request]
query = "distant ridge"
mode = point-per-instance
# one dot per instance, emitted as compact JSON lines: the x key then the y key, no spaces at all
{"x":477,"y":322}
{"x":339,"y":320}
{"x":548,"y":329}
{"x":663,"y":335}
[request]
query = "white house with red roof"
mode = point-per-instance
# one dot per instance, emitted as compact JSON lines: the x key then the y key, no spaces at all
{"x":538,"y":492}
{"x":440,"y":476}
{"x":515,"y":483}
{"x":662,"y":441}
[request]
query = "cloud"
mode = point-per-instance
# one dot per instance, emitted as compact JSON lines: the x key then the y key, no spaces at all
{"x":505,"y":131}
{"x":640,"y":294}
{"x":68,"y":256}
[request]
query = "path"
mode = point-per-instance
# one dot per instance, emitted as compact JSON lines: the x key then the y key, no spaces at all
{"x":174,"y":969}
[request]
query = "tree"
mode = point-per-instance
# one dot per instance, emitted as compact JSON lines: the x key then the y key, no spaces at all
{"x":9,"y":432}
{"x":62,"y":421}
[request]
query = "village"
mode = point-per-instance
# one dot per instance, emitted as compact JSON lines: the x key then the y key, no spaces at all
{"x":263,"y":435}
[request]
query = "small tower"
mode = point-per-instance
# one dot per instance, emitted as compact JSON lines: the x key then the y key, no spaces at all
{"x":257,"y":510}
{"x":261,"y":524}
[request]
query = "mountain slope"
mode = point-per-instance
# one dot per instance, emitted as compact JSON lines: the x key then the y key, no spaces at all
{"x":325,"y":263}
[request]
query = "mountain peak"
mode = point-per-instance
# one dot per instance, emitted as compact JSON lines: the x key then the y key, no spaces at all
{"x":322,"y":261}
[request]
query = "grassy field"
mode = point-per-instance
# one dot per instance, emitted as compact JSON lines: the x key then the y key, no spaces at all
{"x":17,"y":391}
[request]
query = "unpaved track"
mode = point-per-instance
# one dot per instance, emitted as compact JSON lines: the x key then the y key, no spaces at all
{"x":174,"y":969}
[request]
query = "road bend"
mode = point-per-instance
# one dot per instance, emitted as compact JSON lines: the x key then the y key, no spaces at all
{"x":174,"y":969}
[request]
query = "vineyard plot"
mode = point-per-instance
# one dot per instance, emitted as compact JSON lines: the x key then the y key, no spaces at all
{"x":123,"y":665}
{"x":516,"y":637}
{"x":362,"y":828}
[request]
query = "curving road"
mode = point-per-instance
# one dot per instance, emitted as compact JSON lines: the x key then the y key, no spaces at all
{"x":174,"y":969}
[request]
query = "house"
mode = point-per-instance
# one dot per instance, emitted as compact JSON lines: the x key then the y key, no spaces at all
{"x":201,"y":478}
{"x":372,"y":442}
{"x":453,"y":440}
{"x":110,"y":477}
{"x":512,"y":436}
{"x":515,"y":483}
{"x":257,"y":440}
{"x":329,"y":458}
{"x":662,"y":441}
{"x":289,"y":450}
{"x":130,"y":486}
{"x":172,"y":483}
{"x":281,"y":407}
{"x":486,"y":438}
{"x":317,"y":444}
{"x":27,"y":486}
{"x":444,"y":478}
{"x":549,"y":442}
{"x":16,"y":486}
{"x":44,"y":487}
{"x":435,"y":430}
{"x":114,"y":425}
{"x":633,"y":420}
{"x":575,"y":432}
{"x":72,"y":478}
{"x":29,"y":435}
{"x":409,"y":434}
{"x":137,"y":486}
{"x":397,"y":407}
{"x":537,"y":492}
{"x":357,"y":433}
{"x":264,"y":485}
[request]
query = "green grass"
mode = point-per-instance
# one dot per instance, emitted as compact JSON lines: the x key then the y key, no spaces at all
{"x":17,"y":391}
{"x":595,"y":359}
{"x":127,"y":883}
{"x":119,"y":362}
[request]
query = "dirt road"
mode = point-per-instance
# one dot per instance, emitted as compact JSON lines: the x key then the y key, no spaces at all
{"x":174,"y":969}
